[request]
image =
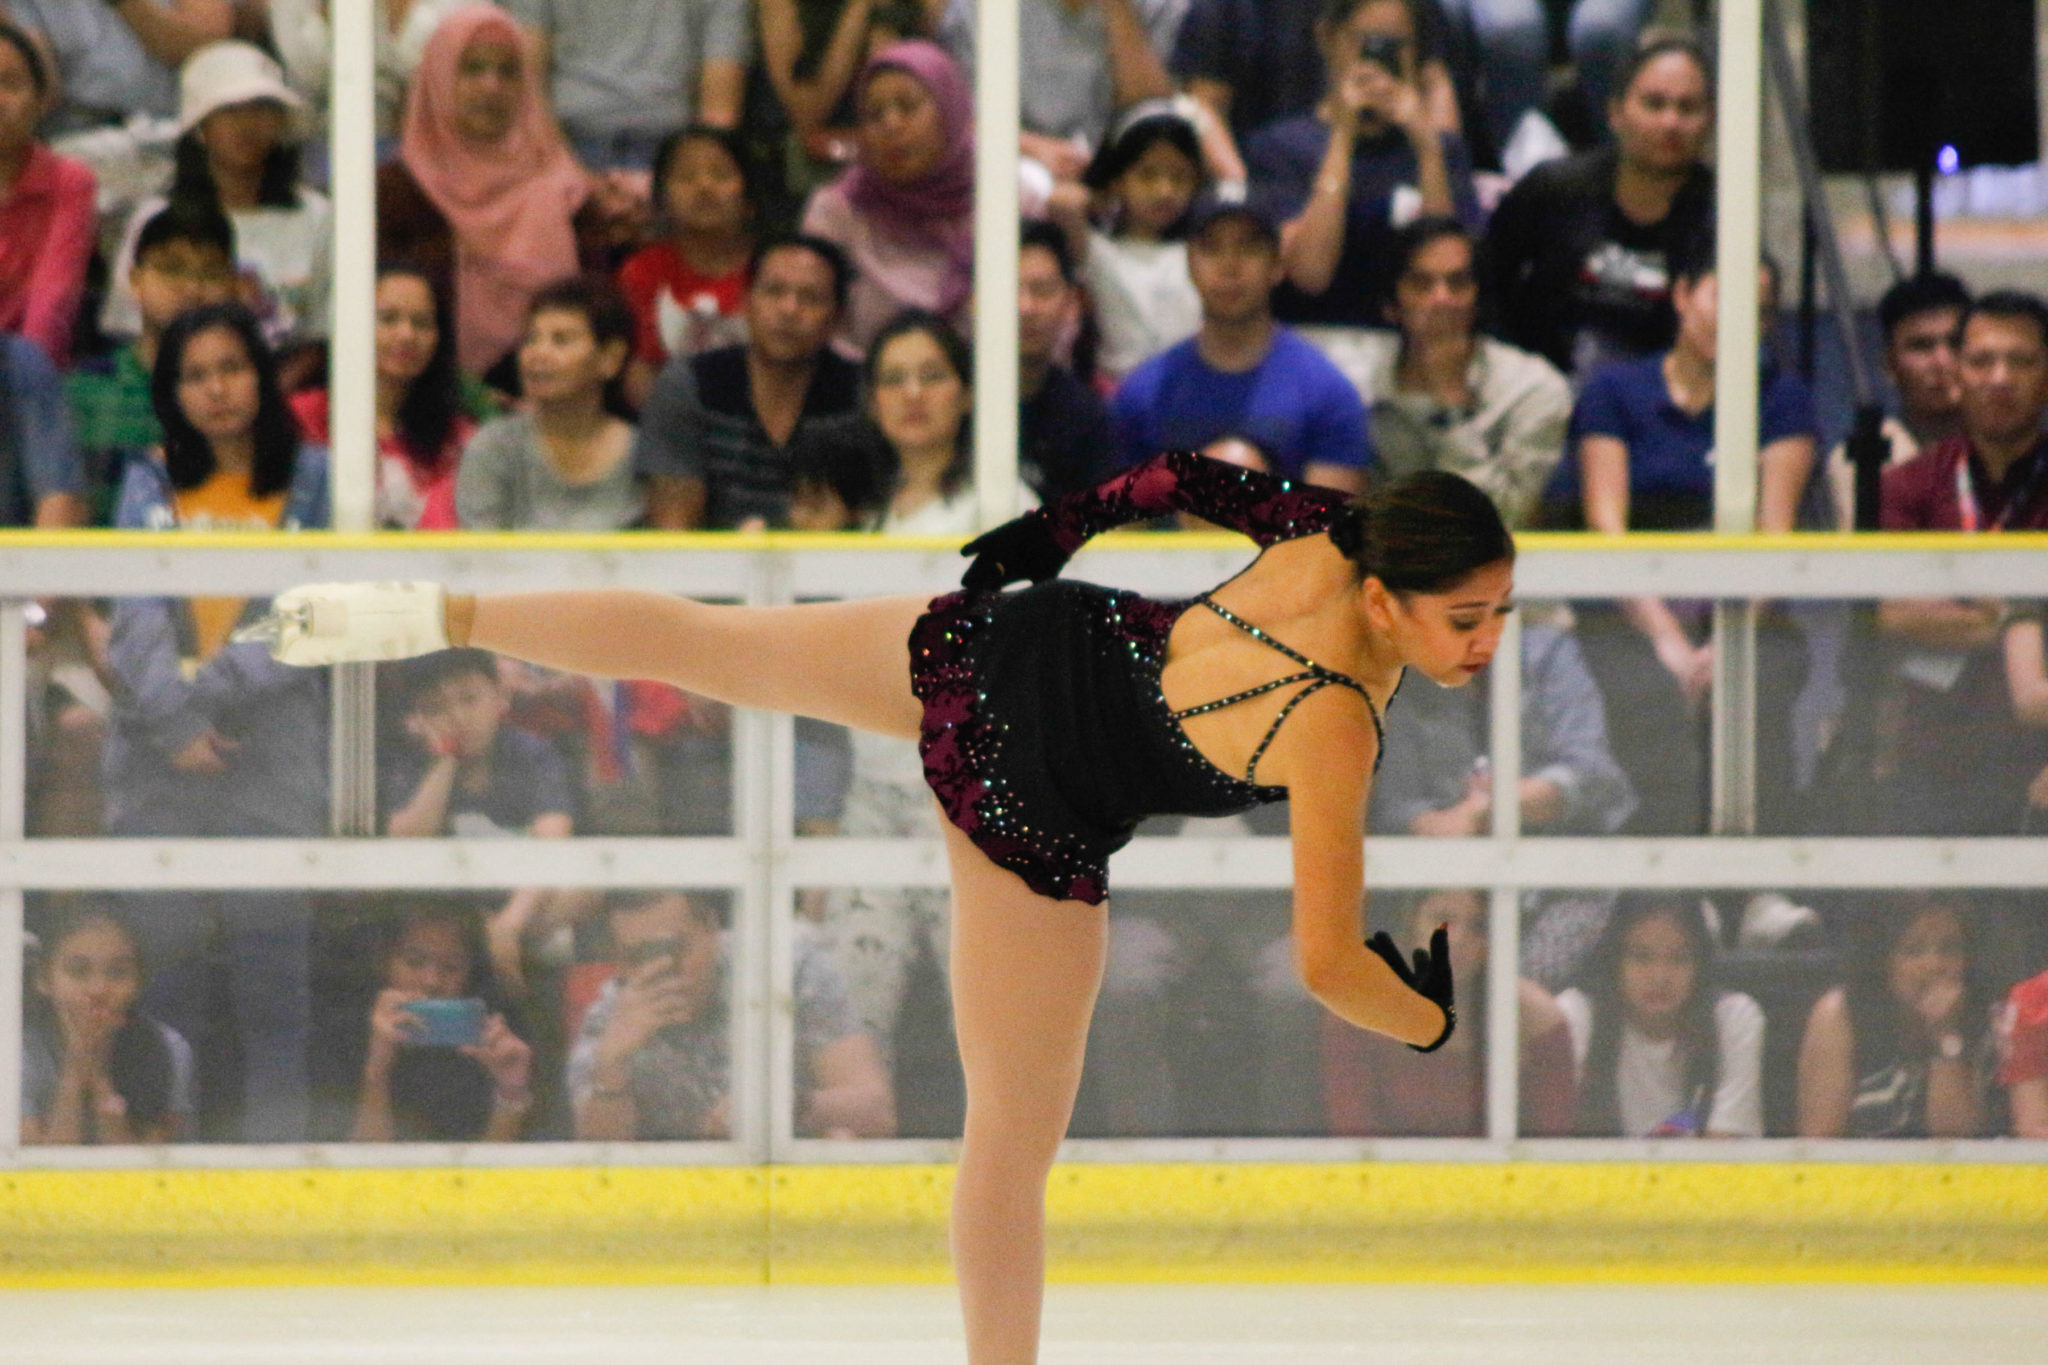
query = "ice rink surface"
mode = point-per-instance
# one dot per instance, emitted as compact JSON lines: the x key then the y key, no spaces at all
{"x":1222,"y":1325}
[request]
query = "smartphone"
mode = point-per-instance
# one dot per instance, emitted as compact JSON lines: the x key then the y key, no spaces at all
{"x":447,"y":1023}
{"x":1383,"y":49}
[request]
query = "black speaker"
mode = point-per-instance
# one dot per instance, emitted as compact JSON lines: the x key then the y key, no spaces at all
{"x":1892,"y":82}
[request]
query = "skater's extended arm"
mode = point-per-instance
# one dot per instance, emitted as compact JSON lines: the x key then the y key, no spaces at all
{"x":1265,"y":508}
{"x":602,"y":633}
{"x":1327,"y":805}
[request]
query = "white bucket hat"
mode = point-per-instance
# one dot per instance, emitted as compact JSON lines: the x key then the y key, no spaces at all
{"x":231,"y":72}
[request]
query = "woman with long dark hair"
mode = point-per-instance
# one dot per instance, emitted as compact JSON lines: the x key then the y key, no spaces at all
{"x":1903,"y":1047}
{"x":416,"y":1086}
{"x":1051,"y":721}
{"x":422,"y":424}
{"x":919,"y":376}
{"x":94,"y":1068}
{"x":1662,"y":1050}
{"x":211,"y":737}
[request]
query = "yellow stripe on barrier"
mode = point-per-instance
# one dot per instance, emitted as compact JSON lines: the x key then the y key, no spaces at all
{"x":612,"y":542}
{"x":1498,"y":1222}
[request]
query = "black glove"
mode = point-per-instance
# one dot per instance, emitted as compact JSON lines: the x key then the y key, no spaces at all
{"x":1024,"y":548}
{"x":1430,"y":978}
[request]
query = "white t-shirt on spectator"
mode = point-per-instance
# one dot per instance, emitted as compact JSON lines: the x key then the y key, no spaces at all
{"x":1649,"y":1077}
{"x":1144,"y":300}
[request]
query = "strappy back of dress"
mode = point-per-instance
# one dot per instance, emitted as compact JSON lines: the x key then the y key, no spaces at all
{"x":1314,"y":674}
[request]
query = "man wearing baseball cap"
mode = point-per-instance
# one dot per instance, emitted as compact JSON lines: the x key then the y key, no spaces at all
{"x":1243,"y":376}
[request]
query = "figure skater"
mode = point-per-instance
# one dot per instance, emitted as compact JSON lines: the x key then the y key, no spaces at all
{"x":1051,"y":721}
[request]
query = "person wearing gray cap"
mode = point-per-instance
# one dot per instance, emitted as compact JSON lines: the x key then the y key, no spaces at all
{"x":1242,"y":375}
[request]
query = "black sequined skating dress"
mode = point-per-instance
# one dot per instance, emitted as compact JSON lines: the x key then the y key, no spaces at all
{"x":1046,"y":737}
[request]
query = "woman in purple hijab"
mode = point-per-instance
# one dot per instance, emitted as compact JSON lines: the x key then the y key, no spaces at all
{"x":904,"y":212}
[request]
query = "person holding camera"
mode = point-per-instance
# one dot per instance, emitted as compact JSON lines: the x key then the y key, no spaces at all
{"x":653,"y":1057}
{"x":1368,"y":161}
{"x":439,"y":1064}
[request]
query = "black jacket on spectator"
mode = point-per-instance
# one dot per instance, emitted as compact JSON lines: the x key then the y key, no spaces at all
{"x":1572,"y":277}
{"x":1064,"y":438}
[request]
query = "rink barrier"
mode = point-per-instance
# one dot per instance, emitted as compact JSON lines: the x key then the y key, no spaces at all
{"x":1518,"y":1222}
{"x":770,"y":1205}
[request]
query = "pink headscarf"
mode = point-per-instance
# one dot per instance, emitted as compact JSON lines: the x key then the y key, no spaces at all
{"x":510,"y":205}
{"x":938,"y":209}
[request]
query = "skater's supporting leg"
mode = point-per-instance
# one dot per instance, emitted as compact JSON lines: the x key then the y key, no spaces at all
{"x":1025,"y":972}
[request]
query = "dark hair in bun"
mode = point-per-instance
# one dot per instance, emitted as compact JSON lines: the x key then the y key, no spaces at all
{"x":1422,"y":532}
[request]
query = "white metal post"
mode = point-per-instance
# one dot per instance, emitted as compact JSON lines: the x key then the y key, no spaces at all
{"x":1504,"y":925}
{"x":1738,"y":245}
{"x":996,"y":94}
{"x":352,"y":382}
{"x":352,"y":358}
{"x":763,"y":978}
{"x":13,"y":828}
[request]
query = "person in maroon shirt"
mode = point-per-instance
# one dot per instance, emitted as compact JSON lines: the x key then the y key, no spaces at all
{"x":1962,"y":762}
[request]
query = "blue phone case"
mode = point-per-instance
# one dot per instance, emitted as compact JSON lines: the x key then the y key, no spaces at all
{"x":447,"y":1023}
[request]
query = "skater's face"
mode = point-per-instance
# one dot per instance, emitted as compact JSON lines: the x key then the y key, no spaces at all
{"x":93,"y":975}
{"x":431,"y":959}
{"x":1450,"y":636}
{"x":1661,"y":121}
{"x":407,"y":328}
{"x":1658,"y":973}
{"x":488,"y":87}
{"x":920,"y":399}
{"x":218,"y":385}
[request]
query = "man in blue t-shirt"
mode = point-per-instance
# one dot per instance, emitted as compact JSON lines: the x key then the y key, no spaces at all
{"x":1243,"y":376}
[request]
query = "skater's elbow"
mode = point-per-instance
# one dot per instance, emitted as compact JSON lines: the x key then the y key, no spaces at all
{"x":1326,"y":970}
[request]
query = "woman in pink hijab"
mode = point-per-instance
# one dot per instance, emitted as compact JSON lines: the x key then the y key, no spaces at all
{"x":484,"y":192}
{"x":905,"y":212}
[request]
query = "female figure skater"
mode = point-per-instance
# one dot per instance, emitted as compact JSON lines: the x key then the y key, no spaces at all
{"x":1051,"y":720}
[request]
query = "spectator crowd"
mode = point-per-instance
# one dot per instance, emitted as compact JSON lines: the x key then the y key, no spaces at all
{"x":708,"y":265}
